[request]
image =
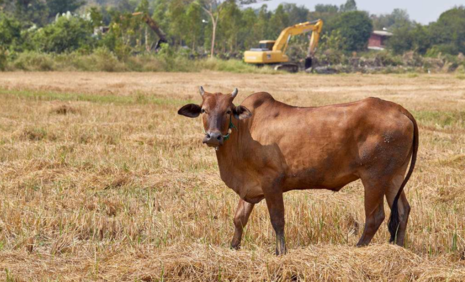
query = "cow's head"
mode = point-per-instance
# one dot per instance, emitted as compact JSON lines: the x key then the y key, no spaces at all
{"x":217,"y":112}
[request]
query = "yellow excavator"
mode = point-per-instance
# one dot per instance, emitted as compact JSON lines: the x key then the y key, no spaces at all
{"x":273,"y":52}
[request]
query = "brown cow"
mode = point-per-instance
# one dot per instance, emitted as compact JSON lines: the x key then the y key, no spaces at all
{"x":265,"y":148}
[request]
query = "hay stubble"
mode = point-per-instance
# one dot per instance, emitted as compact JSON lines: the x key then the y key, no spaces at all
{"x":101,"y":180}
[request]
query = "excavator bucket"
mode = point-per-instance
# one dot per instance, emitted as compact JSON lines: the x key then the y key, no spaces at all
{"x":159,"y":42}
{"x":308,"y":63}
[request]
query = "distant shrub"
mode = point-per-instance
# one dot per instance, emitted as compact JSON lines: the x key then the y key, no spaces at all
{"x":100,"y":60}
{"x":332,"y":57}
{"x":460,"y":69}
{"x":388,"y":59}
{"x":144,"y":63}
{"x":106,"y":60}
{"x":33,"y":61}
{"x":174,"y":61}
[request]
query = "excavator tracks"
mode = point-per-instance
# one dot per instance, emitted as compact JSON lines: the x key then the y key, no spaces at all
{"x":289,"y":67}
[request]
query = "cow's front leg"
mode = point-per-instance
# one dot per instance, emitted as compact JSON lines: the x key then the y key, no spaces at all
{"x":274,"y":201}
{"x":241,"y":217}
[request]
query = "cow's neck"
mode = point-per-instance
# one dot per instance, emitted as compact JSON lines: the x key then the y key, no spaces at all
{"x":231,"y":151}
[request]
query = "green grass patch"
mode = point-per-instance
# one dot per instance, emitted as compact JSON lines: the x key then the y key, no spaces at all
{"x":412,"y":75}
{"x":94,"y":98}
{"x":441,"y":119}
{"x":102,"y":59}
{"x":234,"y":66}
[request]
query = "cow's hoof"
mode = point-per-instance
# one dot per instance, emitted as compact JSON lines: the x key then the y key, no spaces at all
{"x":235,"y":247}
{"x":281,"y":252}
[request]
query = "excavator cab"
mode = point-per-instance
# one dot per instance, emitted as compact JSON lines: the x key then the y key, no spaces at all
{"x":266,"y":45}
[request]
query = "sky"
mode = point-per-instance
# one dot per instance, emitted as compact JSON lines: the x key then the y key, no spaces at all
{"x":422,"y":11}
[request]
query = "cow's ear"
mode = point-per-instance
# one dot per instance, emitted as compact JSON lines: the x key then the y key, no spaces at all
{"x":241,"y":112}
{"x":190,"y":110}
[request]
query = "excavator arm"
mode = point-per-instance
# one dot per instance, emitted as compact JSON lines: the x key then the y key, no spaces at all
{"x":283,"y":39}
{"x":154,"y":26}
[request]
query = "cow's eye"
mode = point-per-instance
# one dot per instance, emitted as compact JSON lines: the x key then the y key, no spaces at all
{"x":228,"y":112}
{"x":202,"y":111}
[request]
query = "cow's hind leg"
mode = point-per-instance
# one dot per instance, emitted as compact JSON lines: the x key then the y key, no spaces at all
{"x":241,"y":217}
{"x":402,"y":206}
{"x":275,"y":204}
{"x":374,"y":210}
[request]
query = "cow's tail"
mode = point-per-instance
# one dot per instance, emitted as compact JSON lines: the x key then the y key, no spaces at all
{"x":393,"y":224}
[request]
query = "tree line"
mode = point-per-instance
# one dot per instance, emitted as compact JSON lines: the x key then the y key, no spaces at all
{"x":215,"y":27}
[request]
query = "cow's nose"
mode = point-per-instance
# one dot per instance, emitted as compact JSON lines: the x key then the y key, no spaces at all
{"x":213,"y":139}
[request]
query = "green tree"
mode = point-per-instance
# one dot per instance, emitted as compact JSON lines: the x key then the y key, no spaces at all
{"x":178,"y":20}
{"x":421,"y":39}
{"x":10,"y":31}
{"x":250,"y":29}
{"x":262,"y":26}
{"x":278,"y":21}
{"x":63,"y":6}
{"x":297,"y":14}
{"x":326,"y":8}
{"x":448,"y":33}
{"x":29,"y":12}
{"x":213,"y":9}
{"x":401,"y":40}
{"x":160,"y":14}
{"x":355,"y":29}
{"x":143,"y":7}
{"x":194,"y":22}
{"x":349,"y":6}
{"x":125,"y":6}
{"x":65,"y":35}
{"x":231,"y":22}
{"x":400,"y":17}
{"x":327,"y":13}
{"x":96,"y":16}
{"x":397,"y":18}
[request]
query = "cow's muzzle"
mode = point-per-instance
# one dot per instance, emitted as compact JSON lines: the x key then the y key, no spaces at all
{"x":213,"y":139}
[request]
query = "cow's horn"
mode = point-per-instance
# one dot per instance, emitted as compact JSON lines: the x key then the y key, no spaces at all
{"x":234,"y":94}
{"x":201,"y":90}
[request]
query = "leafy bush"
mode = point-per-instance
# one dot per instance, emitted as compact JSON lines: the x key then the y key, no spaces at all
{"x":106,"y":60}
{"x":331,"y":57}
{"x":387,"y":59}
{"x":65,"y":35}
{"x":100,"y":60}
{"x":33,"y":61}
{"x":144,"y":63}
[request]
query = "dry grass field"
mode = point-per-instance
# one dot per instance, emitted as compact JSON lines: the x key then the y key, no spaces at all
{"x":101,"y":180}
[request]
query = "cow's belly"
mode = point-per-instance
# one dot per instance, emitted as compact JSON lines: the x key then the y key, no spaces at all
{"x":318,"y":179}
{"x":321,"y":167}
